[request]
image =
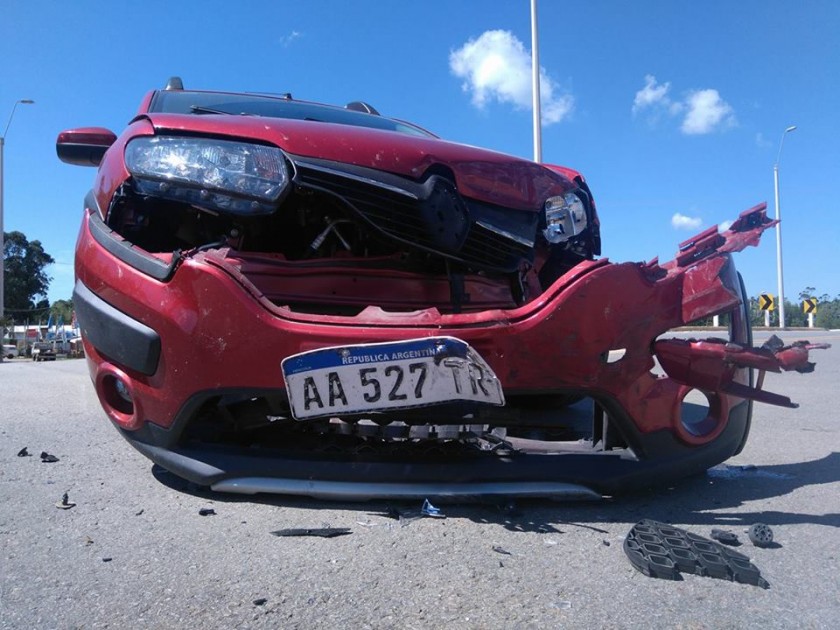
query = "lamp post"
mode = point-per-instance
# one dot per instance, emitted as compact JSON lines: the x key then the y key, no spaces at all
{"x":779,"y":277}
{"x":24,"y":101}
{"x":535,"y":86}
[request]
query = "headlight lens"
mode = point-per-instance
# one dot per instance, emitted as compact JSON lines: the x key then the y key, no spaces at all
{"x":230,"y":176}
{"x":565,"y":217}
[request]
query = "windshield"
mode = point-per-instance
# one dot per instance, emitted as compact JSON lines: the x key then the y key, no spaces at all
{"x":202,"y":103}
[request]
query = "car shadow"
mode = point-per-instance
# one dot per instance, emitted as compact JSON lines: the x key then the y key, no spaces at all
{"x":710,"y":499}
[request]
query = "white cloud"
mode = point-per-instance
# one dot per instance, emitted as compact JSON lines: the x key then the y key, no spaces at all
{"x":704,"y":111}
{"x":725,"y":226}
{"x":683,"y":222}
{"x":496,"y":66}
{"x":707,"y":112}
{"x":652,"y":94}
{"x":287,"y":40}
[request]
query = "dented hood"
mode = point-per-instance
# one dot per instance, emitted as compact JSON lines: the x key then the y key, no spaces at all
{"x":480,"y":174}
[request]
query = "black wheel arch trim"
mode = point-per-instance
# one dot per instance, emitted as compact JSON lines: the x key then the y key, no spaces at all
{"x":124,"y":250}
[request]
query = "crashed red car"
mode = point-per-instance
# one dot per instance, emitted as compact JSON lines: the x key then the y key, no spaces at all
{"x":282,"y":296}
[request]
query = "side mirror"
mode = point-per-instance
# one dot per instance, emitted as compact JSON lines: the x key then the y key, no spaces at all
{"x":84,"y":146}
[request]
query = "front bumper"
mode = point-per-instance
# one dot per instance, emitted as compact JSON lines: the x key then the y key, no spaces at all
{"x":164,"y":337}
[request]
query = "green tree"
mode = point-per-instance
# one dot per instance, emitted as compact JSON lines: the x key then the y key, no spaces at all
{"x":828,"y":312}
{"x":62,"y":309}
{"x":25,"y":278}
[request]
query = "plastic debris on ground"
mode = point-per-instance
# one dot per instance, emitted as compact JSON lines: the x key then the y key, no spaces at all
{"x":726,"y":471}
{"x":760,"y":535}
{"x":406,"y":517}
{"x":663,"y":551}
{"x":430,"y":510}
{"x":726,"y":537}
{"x":501,"y":550}
{"x":207,"y":512}
{"x":24,"y":452}
{"x":65,"y":503}
{"x":321,"y":532}
{"x":47,"y":458}
{"x":260,"y":602}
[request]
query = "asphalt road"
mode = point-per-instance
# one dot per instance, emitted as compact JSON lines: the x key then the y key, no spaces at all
{"x":134,"y":552}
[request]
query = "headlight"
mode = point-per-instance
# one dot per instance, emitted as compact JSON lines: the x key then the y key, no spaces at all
{"x":565,"y":217}
{"x":229,"y":176}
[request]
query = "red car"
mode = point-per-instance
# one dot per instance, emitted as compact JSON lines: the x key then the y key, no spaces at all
{"x":282,"y":296}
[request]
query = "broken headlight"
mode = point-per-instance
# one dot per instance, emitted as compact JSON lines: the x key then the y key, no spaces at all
{"x":565,"y":217}
{"x":222,"y":175}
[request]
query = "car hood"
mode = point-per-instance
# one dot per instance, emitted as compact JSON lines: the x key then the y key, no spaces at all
{"x":479,"y":174}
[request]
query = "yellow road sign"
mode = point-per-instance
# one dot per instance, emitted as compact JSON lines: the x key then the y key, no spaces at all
{"x":809,"y":305}
{"x":766,"y":302}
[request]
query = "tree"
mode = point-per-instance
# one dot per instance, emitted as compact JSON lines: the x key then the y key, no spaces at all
{"x":62,"y":310}
{"x":25,"y":278}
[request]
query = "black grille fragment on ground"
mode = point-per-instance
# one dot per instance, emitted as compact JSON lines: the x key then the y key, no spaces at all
{"x":663,"y":551}
{"x":322,"y":532}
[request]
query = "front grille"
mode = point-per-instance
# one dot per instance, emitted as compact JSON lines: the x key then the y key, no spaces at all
{"x":427,"y":217}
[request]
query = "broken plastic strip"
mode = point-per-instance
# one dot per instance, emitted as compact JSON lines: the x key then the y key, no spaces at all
{"x":745,"y":231}
{"x":711,"y":364}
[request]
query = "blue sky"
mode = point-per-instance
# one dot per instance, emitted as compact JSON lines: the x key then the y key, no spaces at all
{"x":672,"y":110}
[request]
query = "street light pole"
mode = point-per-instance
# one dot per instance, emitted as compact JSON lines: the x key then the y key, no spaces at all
{"x":24,"y":101}
{"x":781,"y":282}
{"x":535,"y":86}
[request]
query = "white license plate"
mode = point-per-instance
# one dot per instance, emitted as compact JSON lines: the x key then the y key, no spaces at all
{"x":382,"y":376}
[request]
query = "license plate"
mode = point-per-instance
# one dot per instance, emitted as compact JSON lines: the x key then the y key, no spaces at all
{"x":378,"y":377}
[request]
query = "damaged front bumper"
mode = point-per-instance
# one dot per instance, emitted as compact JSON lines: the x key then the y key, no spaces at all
{"x":185,"y":355}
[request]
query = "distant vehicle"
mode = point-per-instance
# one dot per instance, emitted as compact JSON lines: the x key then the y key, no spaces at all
{"x":282,"y":296}
{"x":43,"y":351}
{"x":10,"y":351}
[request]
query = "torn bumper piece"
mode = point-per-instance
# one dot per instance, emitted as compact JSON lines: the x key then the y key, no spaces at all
{"x":711,"y":364}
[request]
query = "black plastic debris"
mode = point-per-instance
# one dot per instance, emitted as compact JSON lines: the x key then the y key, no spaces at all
{"x":47,"y":458}
{"x":322,"y":532}
{"x":501,"y":550}
{"x":662,"y":551}
{"x":260,"y":602}
{"x":760,"y":535}
{"x":65,"y":503}
{"x":726,"y":537}
{"x":107,"y":559}
{"x":24,"y":452}
{"x":207,"y":512}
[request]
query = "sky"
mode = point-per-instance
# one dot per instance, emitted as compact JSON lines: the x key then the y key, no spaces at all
{"x":674,"y":111}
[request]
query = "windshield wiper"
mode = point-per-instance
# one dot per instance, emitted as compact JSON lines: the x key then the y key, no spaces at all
{"x":201,"y":109}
